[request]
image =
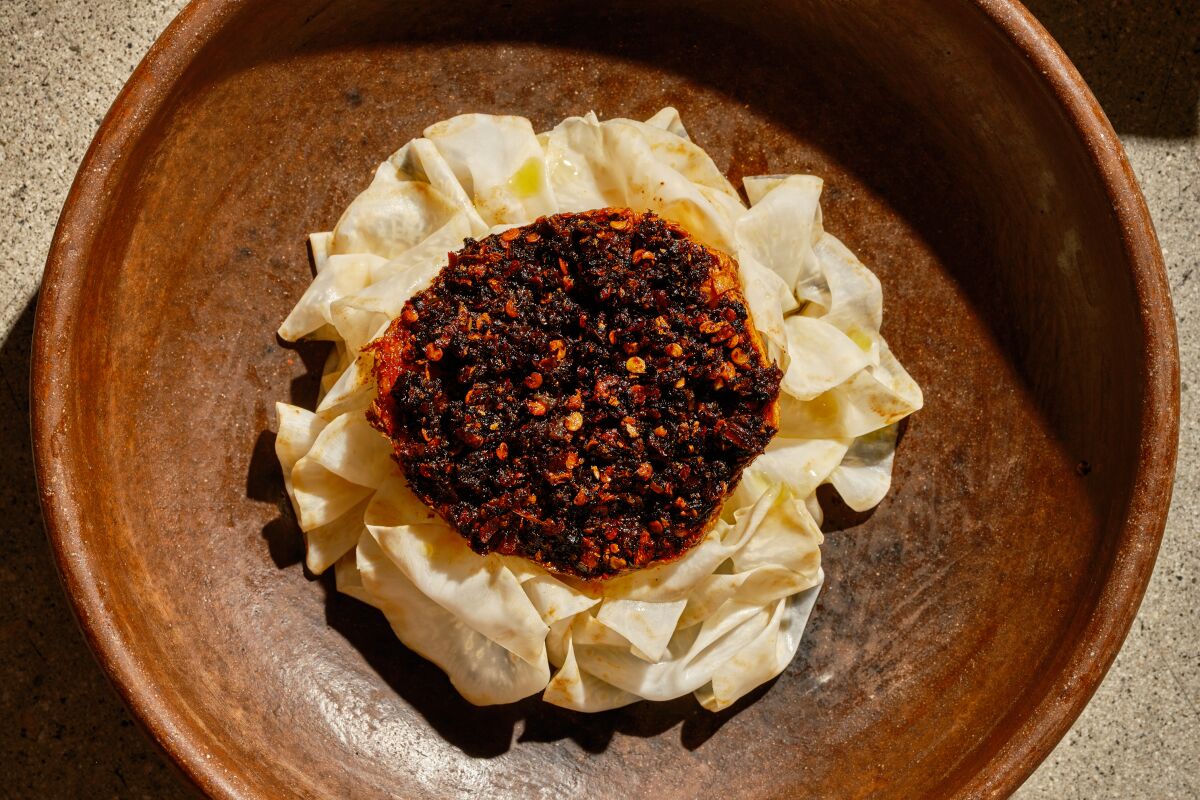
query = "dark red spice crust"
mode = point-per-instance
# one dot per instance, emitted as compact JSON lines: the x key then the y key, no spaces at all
{"x":583,"y":391}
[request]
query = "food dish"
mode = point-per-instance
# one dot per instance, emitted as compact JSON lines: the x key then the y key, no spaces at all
{"x":580,"y":598}
{"x":947,"y":655}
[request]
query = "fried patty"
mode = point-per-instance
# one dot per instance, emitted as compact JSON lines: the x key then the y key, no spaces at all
{"x":583,"y":391}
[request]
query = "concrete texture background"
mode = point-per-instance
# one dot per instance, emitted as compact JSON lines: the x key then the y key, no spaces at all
{"x":63,"y":732}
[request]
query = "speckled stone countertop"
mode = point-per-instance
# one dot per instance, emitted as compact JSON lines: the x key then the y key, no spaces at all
{"x":63,"y":732}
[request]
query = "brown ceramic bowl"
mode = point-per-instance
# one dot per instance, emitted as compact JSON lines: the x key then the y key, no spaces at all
{"x":964,"y":624}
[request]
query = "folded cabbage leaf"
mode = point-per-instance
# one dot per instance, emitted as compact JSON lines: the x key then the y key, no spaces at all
{"x":727,"y":616}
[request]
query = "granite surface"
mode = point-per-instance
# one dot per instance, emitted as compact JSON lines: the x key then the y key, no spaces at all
{"x":65,"y":734}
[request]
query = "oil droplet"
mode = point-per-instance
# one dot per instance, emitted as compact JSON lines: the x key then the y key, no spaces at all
{"x":860,"y":338}
{"x":823,"y":408}
{"x":526,"y":181}
{"x":570,"y":165}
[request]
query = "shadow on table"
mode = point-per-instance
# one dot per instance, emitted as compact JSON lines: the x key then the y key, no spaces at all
{"x":1140,"y":57}
{"x":65,"y":732}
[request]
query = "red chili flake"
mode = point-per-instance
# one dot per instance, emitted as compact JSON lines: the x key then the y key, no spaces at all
{"x":637,"y":332}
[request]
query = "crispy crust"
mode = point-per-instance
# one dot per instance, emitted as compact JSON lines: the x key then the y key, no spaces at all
{"x":726,"y":280}
{"x":583,"y":391}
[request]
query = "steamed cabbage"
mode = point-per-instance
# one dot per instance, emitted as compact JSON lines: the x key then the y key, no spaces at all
{"x":719,"y":621}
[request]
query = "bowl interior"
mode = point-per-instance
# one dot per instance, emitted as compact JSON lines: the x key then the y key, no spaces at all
{"x":948,"y":613}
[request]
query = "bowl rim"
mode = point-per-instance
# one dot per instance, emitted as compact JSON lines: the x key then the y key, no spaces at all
{"x":149,"y":89}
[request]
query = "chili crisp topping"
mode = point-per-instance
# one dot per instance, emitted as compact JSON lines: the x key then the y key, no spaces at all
{"x":583,"y":391}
